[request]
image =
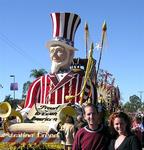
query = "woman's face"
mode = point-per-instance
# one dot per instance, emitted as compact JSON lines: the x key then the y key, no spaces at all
{"x":119,"y":125}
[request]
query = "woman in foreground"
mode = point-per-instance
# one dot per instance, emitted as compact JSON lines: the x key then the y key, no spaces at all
{"x":122,"y":137}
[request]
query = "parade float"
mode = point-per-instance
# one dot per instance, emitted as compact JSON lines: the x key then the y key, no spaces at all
{"x":61,"y":93}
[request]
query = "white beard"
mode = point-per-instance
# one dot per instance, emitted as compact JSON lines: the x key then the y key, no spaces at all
{"x":55,"y":67}
{"x":65,"y":64}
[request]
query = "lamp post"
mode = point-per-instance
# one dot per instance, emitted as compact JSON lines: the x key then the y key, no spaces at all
{"x":13,"y":76}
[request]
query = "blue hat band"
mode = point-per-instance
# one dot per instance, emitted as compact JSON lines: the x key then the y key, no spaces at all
{"x":66,"y":41}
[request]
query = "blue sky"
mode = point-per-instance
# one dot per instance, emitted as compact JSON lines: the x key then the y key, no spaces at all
{"x":25,"y":27}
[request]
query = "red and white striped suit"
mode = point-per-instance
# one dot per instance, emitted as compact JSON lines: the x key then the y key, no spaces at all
{"x":48,"y":90}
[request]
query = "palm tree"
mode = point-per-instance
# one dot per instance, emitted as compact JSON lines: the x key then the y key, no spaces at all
{"x":25,"y":89}
{"x":37,"y":73}
{"x":34,"y":73}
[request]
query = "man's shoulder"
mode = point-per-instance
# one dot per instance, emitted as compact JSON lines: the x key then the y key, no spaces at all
{"x":81,"y":130}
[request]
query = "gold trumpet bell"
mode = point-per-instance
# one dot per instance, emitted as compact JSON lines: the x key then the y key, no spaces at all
{"x":67,"y":111}
{"x":6,"y":111}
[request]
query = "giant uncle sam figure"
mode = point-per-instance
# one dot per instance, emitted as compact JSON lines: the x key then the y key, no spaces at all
{"x":62,"y":81}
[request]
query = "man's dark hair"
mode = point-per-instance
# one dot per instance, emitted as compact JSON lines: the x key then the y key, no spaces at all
{"x":90,"y":105}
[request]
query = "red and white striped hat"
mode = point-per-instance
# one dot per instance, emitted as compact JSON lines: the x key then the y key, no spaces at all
{"x":64,"y":28}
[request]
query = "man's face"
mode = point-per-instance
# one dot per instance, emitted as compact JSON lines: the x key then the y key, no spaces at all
{"x":61,"y":58}
{"x":58,"y":53}
{"x":91,"y":116}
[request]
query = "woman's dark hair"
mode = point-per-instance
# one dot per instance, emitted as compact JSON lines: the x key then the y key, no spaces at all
{"x":123,"y":116}
{"x":69,"y":119}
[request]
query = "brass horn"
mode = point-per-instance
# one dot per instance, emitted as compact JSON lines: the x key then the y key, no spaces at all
{"x":6,"y":111}
{"x":67,"y":111}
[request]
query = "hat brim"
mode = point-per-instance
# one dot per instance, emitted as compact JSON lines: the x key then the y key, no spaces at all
{"x":54,"y":42}
{"x":67,"y":111}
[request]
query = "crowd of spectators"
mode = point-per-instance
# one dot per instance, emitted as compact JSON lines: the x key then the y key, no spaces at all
{"x":92,"y":130}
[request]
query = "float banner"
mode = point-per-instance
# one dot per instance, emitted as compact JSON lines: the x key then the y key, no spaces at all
{"x":45,"y":113}
{"x":14,"y":86}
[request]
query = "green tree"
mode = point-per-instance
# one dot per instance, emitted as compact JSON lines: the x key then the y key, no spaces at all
{"x":133,"y":105}
{"x":12,"y":102}
{"x":37,"y":73}
{"x":25,"y":89}
{"x":8,"y":98}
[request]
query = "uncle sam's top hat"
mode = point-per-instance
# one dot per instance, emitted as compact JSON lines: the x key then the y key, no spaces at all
{"x":64,"y":28}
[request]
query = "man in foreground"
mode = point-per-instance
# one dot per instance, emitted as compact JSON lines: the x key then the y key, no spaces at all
{"x":95,"y":135}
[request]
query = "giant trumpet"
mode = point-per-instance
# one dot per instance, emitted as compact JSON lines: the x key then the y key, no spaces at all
{"x":6,"y":111}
